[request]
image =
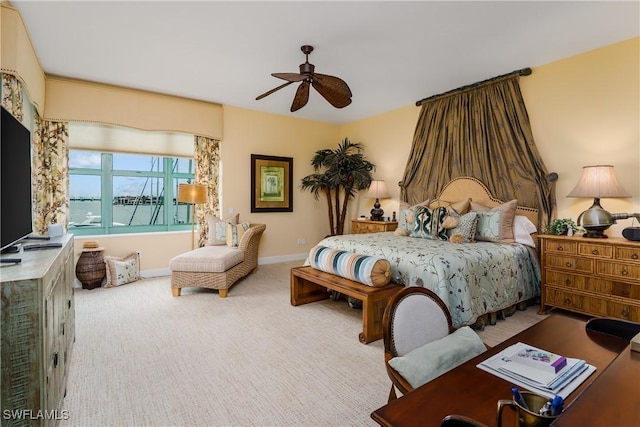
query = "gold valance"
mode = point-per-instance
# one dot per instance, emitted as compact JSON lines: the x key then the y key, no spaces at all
{"x":18,"y":57}
{"x":82,"y":101}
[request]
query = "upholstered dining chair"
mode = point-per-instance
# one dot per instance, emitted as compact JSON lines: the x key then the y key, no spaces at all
{"x":419,"y":342}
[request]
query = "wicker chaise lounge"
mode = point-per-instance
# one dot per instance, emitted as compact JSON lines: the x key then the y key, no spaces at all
{"x":217,"y":267}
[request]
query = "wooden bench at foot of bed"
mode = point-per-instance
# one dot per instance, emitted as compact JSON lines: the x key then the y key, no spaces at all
{"x":309,"y":285}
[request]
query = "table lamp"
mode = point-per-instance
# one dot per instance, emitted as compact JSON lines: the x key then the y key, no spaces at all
{"x":193,"y":194}
{"x":597,"y":181}
{"x":377,"y":190}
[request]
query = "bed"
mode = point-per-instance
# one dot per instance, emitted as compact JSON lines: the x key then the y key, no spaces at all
{"x":476,"y":280}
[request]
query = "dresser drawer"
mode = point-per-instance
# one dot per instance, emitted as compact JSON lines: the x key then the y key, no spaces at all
{"x":621,"y":271}
{"x":569,"y":263}
{"x":627,"y":254}
{"x":582,"y":283}
{"x":560,"y":246}
{"x":595,"y":250}
{"x":576,"y":302}
{"x":626,"y":290}
{"x":624,"y":310}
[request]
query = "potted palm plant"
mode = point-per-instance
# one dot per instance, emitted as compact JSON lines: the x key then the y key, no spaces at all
{"x":339,"y":175}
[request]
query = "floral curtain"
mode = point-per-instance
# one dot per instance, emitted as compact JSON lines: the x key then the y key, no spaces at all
{"x":207,"y":162}
{"x":49,"y":163}
{"x":12,"y":96}
{"x":483,"y":132}
{"x":50,"y":174}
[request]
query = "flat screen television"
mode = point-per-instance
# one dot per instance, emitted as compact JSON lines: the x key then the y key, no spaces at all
{"x":15,"y":181}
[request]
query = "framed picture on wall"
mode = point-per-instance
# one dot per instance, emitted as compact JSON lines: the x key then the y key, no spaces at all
{"x":271,"y":183}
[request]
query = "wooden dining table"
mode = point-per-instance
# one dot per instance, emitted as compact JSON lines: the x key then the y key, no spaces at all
{"x":470,"y":391}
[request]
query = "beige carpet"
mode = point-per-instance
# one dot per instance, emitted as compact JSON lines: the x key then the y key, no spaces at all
{"x":144,"y":358}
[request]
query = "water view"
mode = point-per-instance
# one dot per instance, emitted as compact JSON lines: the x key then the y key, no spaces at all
{"x":86,"y":213}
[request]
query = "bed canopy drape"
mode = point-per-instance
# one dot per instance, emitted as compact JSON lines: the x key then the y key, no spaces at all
{"x":481,"y":130}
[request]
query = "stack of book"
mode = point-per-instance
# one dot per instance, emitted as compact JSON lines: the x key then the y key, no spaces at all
{"x":537,"y":370}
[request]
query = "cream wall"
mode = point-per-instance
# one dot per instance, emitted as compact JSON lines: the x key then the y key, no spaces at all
{"x":250,"y":132}
{"x":584,"y":110}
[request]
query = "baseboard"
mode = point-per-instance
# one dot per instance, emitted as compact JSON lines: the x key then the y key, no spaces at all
{"x":283,"y":258}
{"x":159,"y":272}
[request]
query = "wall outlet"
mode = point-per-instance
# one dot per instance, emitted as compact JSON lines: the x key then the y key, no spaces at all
{"x":302,"y":241}
{"x":231,"y":211}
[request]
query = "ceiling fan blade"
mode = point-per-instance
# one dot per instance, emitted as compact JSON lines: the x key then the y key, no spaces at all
{"x":273,"y":90}
{"x":333,"y":83}
{"x":302,"y":96}
{"x":292,"y":77}
{"x":336,"y":98}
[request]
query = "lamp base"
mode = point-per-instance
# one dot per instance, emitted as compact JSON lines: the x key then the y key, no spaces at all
{"x":376,"y":212}
{"x":595,"y":234}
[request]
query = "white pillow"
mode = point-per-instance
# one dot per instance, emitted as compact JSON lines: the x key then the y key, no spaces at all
{"x":522,"y":229}
{"x":218,"y":229}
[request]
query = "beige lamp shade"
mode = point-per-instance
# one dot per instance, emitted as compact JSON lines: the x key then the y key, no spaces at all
{"x":192,"y":193}
{"x":598,"y":181}
{"x":378,"y":190}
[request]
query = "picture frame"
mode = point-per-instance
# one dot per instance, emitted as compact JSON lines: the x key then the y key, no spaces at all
{"x":271,"y":183}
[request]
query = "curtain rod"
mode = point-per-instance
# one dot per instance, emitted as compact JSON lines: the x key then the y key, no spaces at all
{"x":521,"y":72}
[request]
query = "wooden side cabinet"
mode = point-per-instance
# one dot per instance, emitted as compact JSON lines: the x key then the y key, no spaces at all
{"x":598,"y":277}
{"x":366,"y":226}
{"x":38,"y":327}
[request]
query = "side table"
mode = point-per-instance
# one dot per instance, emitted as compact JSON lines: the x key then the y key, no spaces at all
{"x":90,"y":269}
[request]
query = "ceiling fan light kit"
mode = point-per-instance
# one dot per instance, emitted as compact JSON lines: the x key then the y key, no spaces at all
{"x":333,"y":89}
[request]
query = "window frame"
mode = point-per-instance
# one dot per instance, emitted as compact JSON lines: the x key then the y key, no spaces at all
{"x":107,"y":173}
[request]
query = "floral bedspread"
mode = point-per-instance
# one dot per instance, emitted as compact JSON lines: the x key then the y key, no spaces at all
{"x":471,"y":278}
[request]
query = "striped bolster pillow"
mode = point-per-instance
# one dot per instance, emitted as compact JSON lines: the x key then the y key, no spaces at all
{"x":368,"y":270}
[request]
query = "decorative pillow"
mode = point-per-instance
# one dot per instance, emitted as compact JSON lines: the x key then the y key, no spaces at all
{"x":218,"y":228}
{"x":425,"y":363}
{"x":366,"y":269}
{"x":121,"y":271}
{"x":522,"y":229}
{"x":427,"y":223}
{"x":461,"y":207}
{"x":466,"y":227}
{"x":235,"y":233}
{"x":406,"y":214}
{"x":496,"y":224}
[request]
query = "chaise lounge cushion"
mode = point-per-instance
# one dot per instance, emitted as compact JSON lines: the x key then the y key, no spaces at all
{"x":207,"y":259}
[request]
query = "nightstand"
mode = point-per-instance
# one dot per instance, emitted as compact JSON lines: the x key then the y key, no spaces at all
{"x":598,"y":277}
{"x":360,"y":226}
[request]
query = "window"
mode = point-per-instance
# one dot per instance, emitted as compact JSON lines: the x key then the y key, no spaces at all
{"x":113,"y":193}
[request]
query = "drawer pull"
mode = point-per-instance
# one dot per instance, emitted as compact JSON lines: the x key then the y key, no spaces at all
{"x":634,"y":256}
{"x":567,"y":301}
{"x":594,"y":252}
{"x":568,"y":264}
{"x":567,"y":282}
{"x":625,"y":272}
{"x":625,"y":312}
{"x":559,"y":249}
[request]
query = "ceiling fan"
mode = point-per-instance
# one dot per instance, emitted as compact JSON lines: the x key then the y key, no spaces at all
{"x":333,"y":89}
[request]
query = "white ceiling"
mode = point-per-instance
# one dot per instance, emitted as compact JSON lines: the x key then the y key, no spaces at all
{"x":390,"y":53}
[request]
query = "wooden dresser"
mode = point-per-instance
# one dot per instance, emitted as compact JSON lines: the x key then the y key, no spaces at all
{"x":363,"y":226}
{"x":37,"y":321}
{"x":598,"y":277}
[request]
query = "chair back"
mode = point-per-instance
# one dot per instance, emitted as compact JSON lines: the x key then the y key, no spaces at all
{"x":414,"y":317}
{"x":460,"y":421}
{"x":625,"y":329}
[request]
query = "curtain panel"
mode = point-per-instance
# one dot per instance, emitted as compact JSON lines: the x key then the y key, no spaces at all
{"x":207,"y":162}
{"x":483,"y":132}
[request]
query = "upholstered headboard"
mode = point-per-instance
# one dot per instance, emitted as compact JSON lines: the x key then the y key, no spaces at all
{"x":468,"y":187}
